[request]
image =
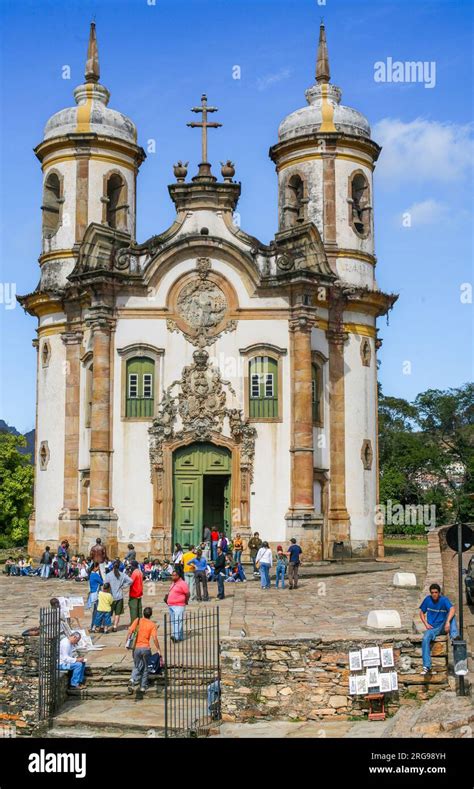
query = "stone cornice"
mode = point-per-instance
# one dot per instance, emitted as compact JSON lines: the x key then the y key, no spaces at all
{"x":92,"y":142}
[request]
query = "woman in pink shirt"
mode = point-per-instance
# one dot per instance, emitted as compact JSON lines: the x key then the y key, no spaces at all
{"x":177,"y":599}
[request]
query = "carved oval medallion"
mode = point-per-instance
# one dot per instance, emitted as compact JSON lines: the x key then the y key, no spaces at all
{"x":202,"y":304}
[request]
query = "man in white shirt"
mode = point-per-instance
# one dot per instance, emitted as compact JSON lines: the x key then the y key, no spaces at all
{"x":68,"y":661}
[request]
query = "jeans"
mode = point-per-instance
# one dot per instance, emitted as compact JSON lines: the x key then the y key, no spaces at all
{"x":280,"y":574}
{"x":254,"y":561}
{"x":177,"y":616}
{"x":265,"y":575}
{"x":293,"y":570}
{"x":201,"y":585}
{"x":430,"y":635}
{"x":45,"y":570}
{"x":214,"y":551}
{"x":141,"y":656}
{"x":135,"y":606}
{"x":78,"y":670}
{"x":191,"y":582}
{"x":237,"y":556}
{"x":102,"y":619}
{"x":220,"y":586}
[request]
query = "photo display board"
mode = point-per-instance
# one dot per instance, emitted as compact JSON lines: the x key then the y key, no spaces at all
{"x":367,"y":671}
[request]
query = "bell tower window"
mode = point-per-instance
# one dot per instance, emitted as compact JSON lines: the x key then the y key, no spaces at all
{"x":359,"y":204}
{"x":295,"y":201}
{"x":115,"y":202}
{"x":52,"y":203}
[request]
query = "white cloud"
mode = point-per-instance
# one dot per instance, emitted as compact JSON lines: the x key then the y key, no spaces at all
{"x":426,"y":213}
{"x":423,"y":150}
{"x":270,"y":79}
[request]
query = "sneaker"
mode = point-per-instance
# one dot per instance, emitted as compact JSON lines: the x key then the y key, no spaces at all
{"x":426,"y":670}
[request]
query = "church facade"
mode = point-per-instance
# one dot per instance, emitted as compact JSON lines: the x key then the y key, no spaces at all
{"x":203,"y":377}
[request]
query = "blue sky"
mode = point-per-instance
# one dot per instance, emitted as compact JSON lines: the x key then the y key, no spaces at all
{"x":157,"y":60}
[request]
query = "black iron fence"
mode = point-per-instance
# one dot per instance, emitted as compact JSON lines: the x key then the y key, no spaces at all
{"x":191,"y":672}
{"x":49,"y":662}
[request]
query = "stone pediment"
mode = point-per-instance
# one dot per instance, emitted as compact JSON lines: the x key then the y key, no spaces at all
{"x":300,"y":249}
{"x":98,"y":250}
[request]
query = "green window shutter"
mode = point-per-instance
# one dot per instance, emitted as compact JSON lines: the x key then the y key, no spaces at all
{"x":140,"y":388}
{"x":263,"y":387}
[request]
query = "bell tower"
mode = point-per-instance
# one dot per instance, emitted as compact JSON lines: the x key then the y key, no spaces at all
{"x":90,"y":160}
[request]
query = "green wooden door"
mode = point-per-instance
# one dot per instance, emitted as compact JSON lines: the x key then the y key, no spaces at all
{"x":201,"y":490}
{"x":188,"y":509}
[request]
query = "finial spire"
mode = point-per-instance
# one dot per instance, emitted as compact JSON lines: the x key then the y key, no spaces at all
{"x":92,"y":63}
{"x":322,"y":63}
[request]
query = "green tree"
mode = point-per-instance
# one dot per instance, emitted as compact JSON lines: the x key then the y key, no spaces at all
{"x":16,"y":489}
{"x":426,"y":451}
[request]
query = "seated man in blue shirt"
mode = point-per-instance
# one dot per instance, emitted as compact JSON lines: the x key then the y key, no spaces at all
{"x":437,"y":614}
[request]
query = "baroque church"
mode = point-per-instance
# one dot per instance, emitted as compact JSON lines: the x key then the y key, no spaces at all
{"x":203,"y":377}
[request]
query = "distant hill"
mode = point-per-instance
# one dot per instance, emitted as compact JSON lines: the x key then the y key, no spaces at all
{"x":30,"y":438}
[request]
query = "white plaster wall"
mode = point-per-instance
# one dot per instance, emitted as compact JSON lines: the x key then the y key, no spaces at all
{"x":346,"y":237}
{"x":357,"y":272}
{"x":51,"y":409}
{"x":97,"y":170}
{"x":132,"y":489}
{"x":158,"y":294}
{"x":360,"y":404}
{"x":321,"y":435}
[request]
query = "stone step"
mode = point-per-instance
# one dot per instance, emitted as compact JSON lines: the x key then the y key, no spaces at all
{"x":64,"y":732}
{"x":144,"y":717}
{"x":117,"y":691}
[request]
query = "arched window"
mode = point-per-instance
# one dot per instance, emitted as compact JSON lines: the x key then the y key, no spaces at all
{"x":263,"y":387}
{"x":52,"y":202}
{"x":115,"y":200}
{"x":140,"y":398}
{"x":317,"y":399}
{"x":295,"y":202}
{"x":359,"y":204}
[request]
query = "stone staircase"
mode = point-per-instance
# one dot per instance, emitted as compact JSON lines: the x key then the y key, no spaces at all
{"x":105,"y":709}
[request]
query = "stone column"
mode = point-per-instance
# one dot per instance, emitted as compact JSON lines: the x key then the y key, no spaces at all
{"x":338,"y":517}
{"x":69,"y":517}
{"x":302,"y":490}
{"x":100,"y":417}
{"x":98,"y":521}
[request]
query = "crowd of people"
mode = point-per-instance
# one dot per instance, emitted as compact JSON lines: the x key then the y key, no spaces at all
{"x":190,"y":571}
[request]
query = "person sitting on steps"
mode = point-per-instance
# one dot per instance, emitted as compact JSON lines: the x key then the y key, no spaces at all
{"x":438,"y":616}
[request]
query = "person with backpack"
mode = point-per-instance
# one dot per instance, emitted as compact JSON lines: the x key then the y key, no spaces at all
{"x":46,"y":562}
{"x":142,"y":631}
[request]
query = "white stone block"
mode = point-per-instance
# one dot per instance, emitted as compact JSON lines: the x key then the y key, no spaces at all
{"x":404,"y":579}
{"x":384,"y":620}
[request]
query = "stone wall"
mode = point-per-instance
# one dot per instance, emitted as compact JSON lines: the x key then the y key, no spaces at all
{"x":308,"y":679}
{"x":19,"y":686}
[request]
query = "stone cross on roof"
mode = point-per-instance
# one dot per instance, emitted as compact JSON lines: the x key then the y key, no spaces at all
{"x":204,"y":124}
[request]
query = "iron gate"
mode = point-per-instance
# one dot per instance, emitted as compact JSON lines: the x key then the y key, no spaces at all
{"x":191,"y":673}
{"x":49,"y":662}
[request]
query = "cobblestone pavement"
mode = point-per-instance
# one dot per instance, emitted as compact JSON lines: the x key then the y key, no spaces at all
{"x":333,"y":606}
